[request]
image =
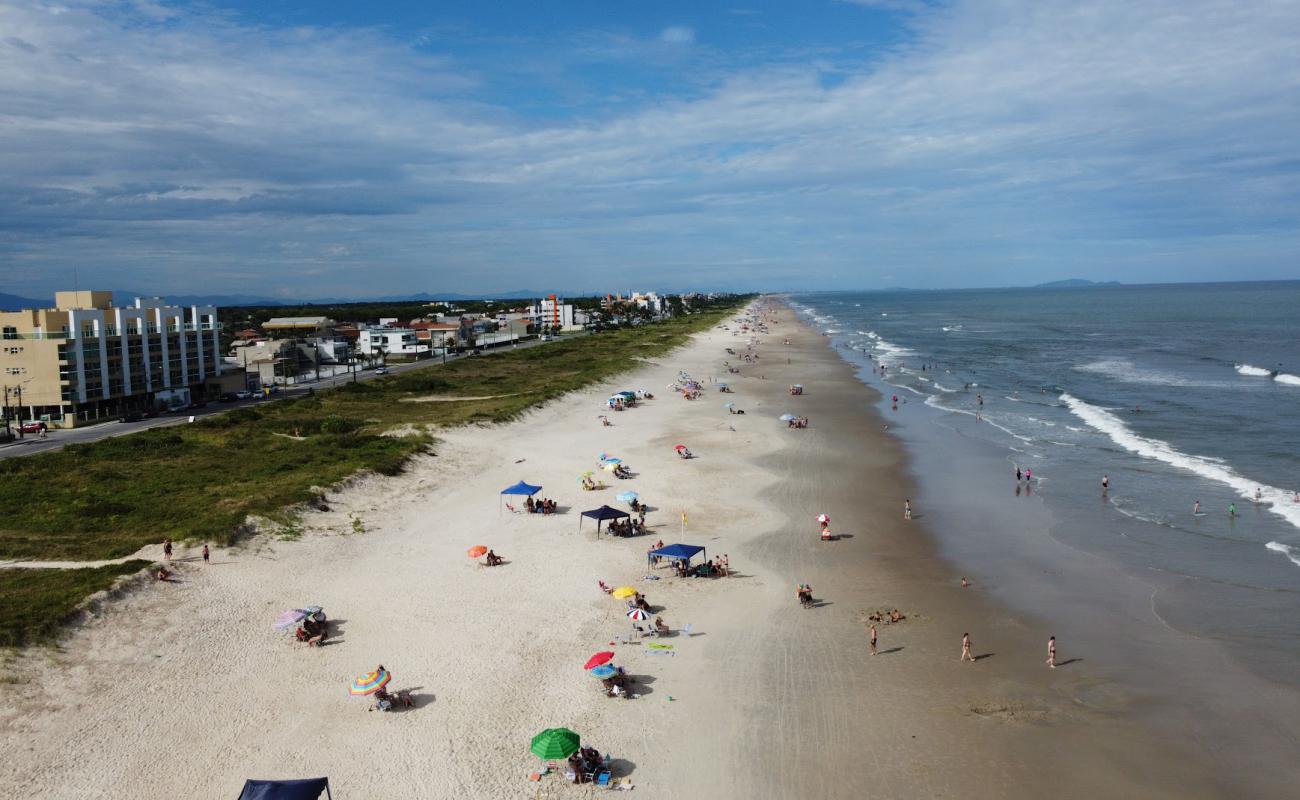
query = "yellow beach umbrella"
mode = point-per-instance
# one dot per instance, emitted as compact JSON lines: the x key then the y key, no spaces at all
{"x":623,"y":591}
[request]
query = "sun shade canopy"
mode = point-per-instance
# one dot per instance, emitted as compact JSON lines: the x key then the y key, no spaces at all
{"x":522,"y":488}
{"x":305,"y":789}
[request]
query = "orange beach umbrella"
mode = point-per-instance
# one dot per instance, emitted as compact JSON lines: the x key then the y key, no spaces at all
{"x":477,"y":551}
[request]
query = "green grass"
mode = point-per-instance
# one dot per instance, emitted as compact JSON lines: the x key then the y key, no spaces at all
{"x":200,"y":481}
{"x":35,"y":602}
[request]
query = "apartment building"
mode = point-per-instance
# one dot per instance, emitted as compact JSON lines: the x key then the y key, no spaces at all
{"x":400,"y":342}
{"x":86,"y":359}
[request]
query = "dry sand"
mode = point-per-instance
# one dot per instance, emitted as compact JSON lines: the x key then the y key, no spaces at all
{"x":184,"y":689}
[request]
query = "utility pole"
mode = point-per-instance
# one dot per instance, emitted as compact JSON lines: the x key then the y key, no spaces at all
{"x":8,"y":431}
{"x":19,"y":408}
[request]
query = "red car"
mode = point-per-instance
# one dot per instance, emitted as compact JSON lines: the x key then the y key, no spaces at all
{"x":33,"y":427}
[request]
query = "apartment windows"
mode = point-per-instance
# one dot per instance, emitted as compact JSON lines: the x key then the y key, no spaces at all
{"x":9,"y":332}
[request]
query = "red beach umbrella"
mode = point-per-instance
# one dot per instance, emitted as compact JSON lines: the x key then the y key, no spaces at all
{"x":603,"y":657}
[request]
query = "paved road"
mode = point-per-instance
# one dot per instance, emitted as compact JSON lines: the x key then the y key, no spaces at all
{"x":32,"y":443}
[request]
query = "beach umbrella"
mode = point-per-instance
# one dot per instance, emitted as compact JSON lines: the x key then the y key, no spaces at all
{"x":370,"y":682}
{"x":477,"y":551}
{"x":728,"y":405}
{"x":609,"y":461}
{"x":290,"y":618}
{"x":604,"y":671}
{"x":637,"y":615}
{"x":623,"y":591}
{"x":602,"y":456}
{"x":603,"y":657}
{"x":823,"y":518}
{"x":626,"y":497}
{"x":788,"y":417}
{"x":610,"y":467}
{"x":554,"y":744}
{"x":679,"y":447}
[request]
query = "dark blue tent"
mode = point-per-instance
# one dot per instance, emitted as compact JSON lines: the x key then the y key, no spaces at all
{"x":678,"y":552}
{"x":601,"y":514}
{"x":304,"y":789}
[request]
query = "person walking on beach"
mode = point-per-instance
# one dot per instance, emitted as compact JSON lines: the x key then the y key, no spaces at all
{"x":206,"y":554}
{"x":1051,"y":652}
{"x":1105,"y":483}
{"x":907,"y":509}
{"x":167,"y":549}
{"x":1018,"y":474}
{"x":965,"y":649}
{"x":1029,"y":475}
{"x":873,"y":638}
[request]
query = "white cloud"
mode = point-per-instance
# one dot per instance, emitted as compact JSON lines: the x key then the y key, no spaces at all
{"x":1117,"y":136}
{"x":678,"y":34}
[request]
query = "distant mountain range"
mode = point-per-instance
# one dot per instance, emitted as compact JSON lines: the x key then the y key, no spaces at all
{"x":1074,"y":283}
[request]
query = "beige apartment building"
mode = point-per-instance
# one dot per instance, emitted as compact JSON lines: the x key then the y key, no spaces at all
{"x":86,"y":359}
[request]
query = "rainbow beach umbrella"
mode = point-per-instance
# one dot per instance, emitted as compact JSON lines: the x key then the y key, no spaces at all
{"x":370,"y":682}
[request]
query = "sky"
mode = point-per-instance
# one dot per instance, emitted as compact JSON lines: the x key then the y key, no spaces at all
{"x":306,"y":148}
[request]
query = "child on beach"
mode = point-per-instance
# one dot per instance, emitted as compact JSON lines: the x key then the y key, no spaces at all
{"x":907,"y":509}
{"x":965,"y":649}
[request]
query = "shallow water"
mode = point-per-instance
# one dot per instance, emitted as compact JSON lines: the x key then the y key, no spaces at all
{"x":1177,"y":393}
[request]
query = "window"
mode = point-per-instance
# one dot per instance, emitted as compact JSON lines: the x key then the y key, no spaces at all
{"x":10,"y":332}
{"x":13,"y":351}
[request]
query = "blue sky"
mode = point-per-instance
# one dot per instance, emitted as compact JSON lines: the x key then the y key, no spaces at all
{"x":300,"y":149}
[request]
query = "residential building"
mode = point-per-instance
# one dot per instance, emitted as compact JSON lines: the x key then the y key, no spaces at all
{"x":299,"y":326}
{"x":553,"y":313}
{"x":399,"y":342}
{"x":86,"y":359}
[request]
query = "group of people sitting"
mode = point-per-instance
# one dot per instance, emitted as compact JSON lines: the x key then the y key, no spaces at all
{"x":638,"y":601}
{"x":886,"y":616}
{"x":708,"y":569}
{"x":312,"y":631}
{"x":797,"y":422}
{"x":621,"y":471}
{"x":585,"y":764}
{"x":543,"y":506}
{"x":626,"y":527}
{"x":590,"y":485}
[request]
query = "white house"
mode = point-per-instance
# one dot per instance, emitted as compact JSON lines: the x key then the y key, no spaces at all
{"x":390,"y":341}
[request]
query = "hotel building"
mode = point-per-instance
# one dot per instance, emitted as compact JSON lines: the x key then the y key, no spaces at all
{"x":86,"y":359}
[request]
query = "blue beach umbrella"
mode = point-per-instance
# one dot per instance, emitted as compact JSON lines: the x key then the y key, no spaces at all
{"x":613,"y":461}
{"x":603,"y":671}
{"x":626,"y":497}
{"x":728,"y":405}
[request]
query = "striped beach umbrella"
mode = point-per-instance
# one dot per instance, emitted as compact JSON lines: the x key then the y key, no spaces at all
{"x":637,"y":615}
{"x":553,"y":744}
{"x":613,"y":461}
{"x":370,"y":682}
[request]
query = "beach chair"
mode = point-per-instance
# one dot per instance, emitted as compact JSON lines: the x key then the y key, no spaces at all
{"x":513,"y":510}
{"x":602,"y":779}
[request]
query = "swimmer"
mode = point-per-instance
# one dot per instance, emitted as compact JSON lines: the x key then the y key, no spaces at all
{"x":1105,"y":483}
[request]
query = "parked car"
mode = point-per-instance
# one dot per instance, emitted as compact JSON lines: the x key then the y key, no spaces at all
{"x":33,"y":427}
{"x":382,"y":371}
{"x":243,"y":394}
{"x":545,"y":337}
{"x":227,"y":397}
{"x":131,"y":416}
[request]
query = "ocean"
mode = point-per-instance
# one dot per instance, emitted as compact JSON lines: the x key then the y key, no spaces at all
{"x":1179,"y":394}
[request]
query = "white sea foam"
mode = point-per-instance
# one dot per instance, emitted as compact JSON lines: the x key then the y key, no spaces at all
{"x":1275,"y":500}
{"x":1254,"y":372}
{"x":1287,"y":550}
{"x":943,"y":388}
{"x":1289,"y":380}
{"x":1122,"y":369}
{"x":951,"y":328}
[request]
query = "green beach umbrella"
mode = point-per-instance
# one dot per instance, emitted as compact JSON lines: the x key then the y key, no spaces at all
{"x":555,"y":743}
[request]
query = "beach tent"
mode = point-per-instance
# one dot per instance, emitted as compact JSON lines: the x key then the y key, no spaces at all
{"x":304,"y":789}
{"x":520,"y":488}
{"x":601,"y":515}
{"x":678,"y":552}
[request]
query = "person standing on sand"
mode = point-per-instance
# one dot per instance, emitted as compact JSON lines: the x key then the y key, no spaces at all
{"x":167,"y":549}
{"x":1018,"y":474}
{"x":965,"y":649}
{"x":1051,"y":652}
{"x":206,"y":554}
{"x":965,"y":583}
{"x":873,"y":638}
{"x":1232,"y":509}
{"x":907,"y":509}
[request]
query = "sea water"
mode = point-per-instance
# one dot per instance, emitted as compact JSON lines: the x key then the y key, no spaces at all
{"x":1177,"y":393}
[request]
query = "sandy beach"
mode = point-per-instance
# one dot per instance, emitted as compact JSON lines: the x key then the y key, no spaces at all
{"x":184,"y":689}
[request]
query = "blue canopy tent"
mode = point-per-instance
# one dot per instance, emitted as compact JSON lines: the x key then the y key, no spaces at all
{"x":304,"y":789}
{"x":600,"y":515}
{"x":677,"y":552}
{"x":521,"y":488}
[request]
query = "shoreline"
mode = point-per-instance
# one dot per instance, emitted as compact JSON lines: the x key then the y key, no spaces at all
{"x":768,"y":699}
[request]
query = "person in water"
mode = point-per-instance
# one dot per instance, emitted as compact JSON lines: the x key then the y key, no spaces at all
{"x":1196,"y":507}
{"x":1105,"y":483}
{"x":1232,"y":509}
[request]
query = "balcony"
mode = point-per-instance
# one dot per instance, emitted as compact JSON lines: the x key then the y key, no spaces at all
{"x":34,"y":335}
